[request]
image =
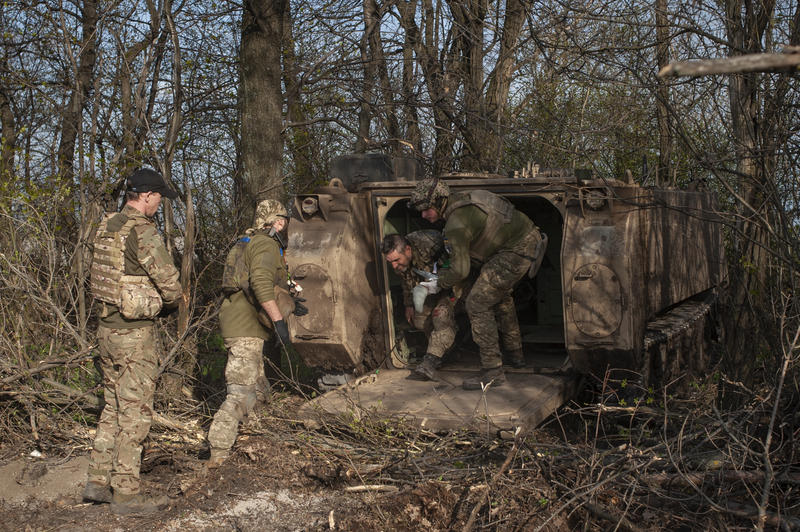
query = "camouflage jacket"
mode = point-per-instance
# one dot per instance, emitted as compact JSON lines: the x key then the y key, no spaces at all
{"x":427,"y":249}
{"x":145,"y":254}
{"x":471,"y":225}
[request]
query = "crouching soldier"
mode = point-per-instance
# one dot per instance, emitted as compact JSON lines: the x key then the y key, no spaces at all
{"x":132,"y":277}
{"x":257,"y":301}
{"x":416,"y":259}
{"x":486,"y":229}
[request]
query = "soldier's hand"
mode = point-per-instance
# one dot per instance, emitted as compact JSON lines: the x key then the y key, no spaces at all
{"x":282,"y":331}
{"x":410,"y":315}
{"x":432,"y":286}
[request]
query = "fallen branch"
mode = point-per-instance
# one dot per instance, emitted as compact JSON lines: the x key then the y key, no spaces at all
{"x":731,"y":65}
{"x":620,"y":523}
{"x":786,"y":522}
{"x":500,"y":472}
{"x":45,"y":365}
{"x":697,"y":478}
{"x":89,"y":401}
{"x":371,"y":487}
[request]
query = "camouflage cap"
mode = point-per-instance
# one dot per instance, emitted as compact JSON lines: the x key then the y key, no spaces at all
{"x":430,"y":192}
{"x":267,"y":212}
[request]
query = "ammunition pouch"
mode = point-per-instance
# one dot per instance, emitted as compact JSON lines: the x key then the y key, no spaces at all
{"x":139,"y":298}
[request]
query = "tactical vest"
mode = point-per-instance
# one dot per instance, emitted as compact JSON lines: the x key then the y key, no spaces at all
{"x":236,"y":277}
{"x":135,"y":296}
{"x":108,"y":262}
{"x":499,"y":212}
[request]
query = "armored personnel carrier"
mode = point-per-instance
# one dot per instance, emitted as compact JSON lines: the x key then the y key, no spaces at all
{"x":628,"y":281}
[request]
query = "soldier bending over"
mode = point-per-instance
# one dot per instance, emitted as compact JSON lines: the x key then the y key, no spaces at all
{"x":487,"y":229}
{"x":412,"y":257}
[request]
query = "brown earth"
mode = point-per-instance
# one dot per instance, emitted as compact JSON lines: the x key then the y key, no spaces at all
{"x":590,"y":466}
{"x":281,"y":477}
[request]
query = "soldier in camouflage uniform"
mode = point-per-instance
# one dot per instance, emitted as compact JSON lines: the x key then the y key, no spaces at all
{"x":257,"y":300}
{"x":484,"y":228}
{"x":423,"y":251}
{"x":132,"y":276}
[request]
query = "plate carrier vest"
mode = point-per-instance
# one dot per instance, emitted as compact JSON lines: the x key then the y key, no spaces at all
{"x":498,"y":211}
{"x":108,"y":263}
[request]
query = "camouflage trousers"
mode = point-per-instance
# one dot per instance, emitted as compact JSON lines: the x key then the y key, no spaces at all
{"x":490,"y":305}
{"x":438,"y":321}
{"x":244,"y":378}
{"x":129,"y":362}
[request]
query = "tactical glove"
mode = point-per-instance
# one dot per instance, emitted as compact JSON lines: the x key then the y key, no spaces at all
{"x":282,"y":330}
{"x":299,"y":308}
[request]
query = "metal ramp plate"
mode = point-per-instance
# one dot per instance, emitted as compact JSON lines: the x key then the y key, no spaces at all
{"x":525,"y":398}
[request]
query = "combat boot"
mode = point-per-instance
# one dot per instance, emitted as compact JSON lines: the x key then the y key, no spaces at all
{"x":487,"y":377}
{"x":218,"y":456}
{"x":426,"y":370}
{"x":137,"y":503}
{"x":96,"y":492}
{"x":516,"y":359}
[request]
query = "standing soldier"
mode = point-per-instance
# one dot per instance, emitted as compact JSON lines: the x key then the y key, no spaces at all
{"x":132,"y":277}
{"x":485,"y":228}
{"x":257,"y":300}
{"x":412,"y":257}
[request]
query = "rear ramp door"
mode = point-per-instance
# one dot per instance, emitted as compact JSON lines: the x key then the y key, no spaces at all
{"x":525,"y":399}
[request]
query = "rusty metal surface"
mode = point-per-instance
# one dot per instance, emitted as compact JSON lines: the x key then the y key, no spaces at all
{"x":619,"y":256}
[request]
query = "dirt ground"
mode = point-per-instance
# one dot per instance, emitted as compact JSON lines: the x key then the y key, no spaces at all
{"x":588,"y":467}
{"x":280,"y":478}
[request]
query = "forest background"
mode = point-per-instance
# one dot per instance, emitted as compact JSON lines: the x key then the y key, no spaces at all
{"x":234,"y":102}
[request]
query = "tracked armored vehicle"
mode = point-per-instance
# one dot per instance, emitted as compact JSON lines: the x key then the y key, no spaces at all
{"x":628,"y":281}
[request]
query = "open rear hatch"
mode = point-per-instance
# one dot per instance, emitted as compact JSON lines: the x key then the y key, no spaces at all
{"x":527,"y":398}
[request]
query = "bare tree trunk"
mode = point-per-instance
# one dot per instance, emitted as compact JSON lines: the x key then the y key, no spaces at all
{"x":299,"y":136}
{"x":389,"y":110}
{"x":662,"y":93}
{"x":8,"y":135}
{"x":261,"y":101}
{"x":413,"y":136}
{"x":441,"y":82}
{"x":176,"y":121}
{"x":499,"y":85}
{"x":746,"y":24}
{"x":133,"y":110}
{"x":368,"y":97}
{"x":71,"y":117}
{"x":468,"y":19}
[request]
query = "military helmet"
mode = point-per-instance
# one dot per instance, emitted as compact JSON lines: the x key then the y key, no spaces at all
{"x":267,"y":212}
{"x":430,"y":192}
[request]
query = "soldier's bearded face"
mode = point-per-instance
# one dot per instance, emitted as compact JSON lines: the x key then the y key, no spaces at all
{"x":399,"y":260}
{"x":430,"y":214}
